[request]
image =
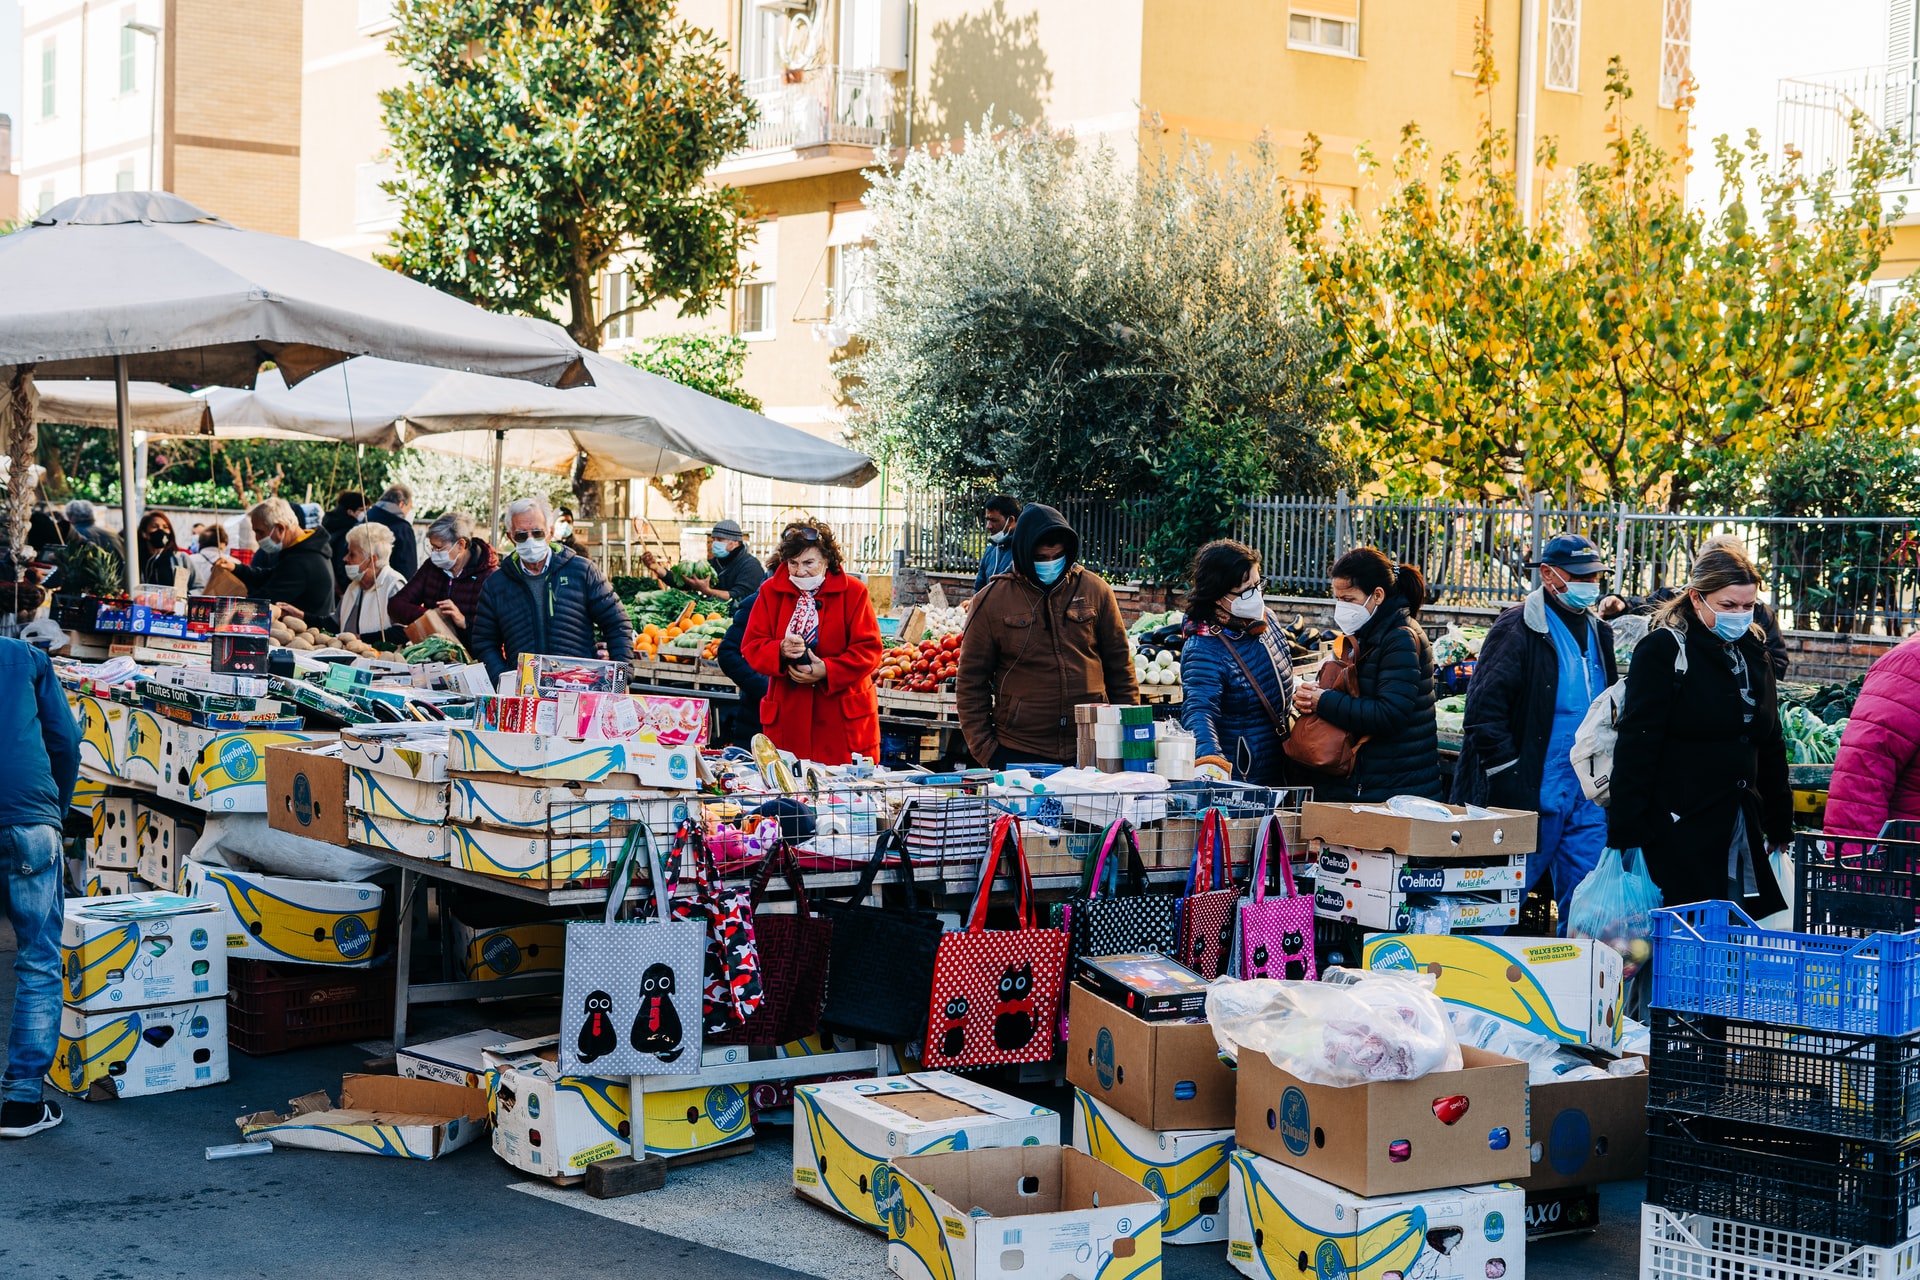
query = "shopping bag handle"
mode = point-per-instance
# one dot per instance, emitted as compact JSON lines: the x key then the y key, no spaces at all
{"x":1136,"y":873}
{"x":780,"y":857}
{"x":1213,"y":840}
{"x":621,"y":878}
{"x":1006,"y":833}
{"x":1262,"y":870}
{"x":889,"y":839}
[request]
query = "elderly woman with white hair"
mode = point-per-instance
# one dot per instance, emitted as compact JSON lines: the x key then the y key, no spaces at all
{"x":301,"y":575}
{"x":371,"y":581}
{"x":546,"y":599}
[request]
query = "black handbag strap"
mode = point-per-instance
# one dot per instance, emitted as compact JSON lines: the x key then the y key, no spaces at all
{"x":890,"y":840}
{"x":1279,"y":721}
{"x":780,"y":858}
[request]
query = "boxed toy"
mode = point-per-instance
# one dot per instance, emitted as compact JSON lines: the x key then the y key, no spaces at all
{"x":1390,"y":909}
{"x":1186,"y":1168}
{"x":426,"y":841}
{"x":401,"y":751}
{"x":224,"y":771}
{"x":147,"y":949}
{"x":1398,"y":873}
{"x":377,"y":1116}
{"x":535,"y":857}
{"x":164,"y":842}
{"x":1465,"y":833}
{"x":116,"y":836}
{"x":845,"y":1132}
{"x":506,"y":951}
{"x":1567,"y":989}
{"x":1160,"y":1075}
{"x":1277,"y":1216}
{"x":137,"y":1052}
{"x":1038,"y":1213}
{"x":327,"y":922}
{"x":1389,"y":1137}
{"x":548,"y":677}
{"x":1148,"y":986}
{"x":382,"y":795}
{"x":534,"y":755}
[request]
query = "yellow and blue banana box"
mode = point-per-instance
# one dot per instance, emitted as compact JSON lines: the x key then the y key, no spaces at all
{"x":138,"y":1052}
{"x":537,"y":755}
{"x":115,"y":845}
{"x":328,"y":922}
{"x":146,"y":949}
{"x":506,"y":951}
{"x":514,"y":804}
{"x":221,"y":770}
{"x":108,"y":882}
{"x":844,"y":1132}
{"x":164,"y":842}
{"x":1277,"y":1217}
{"x":426,"y":841}
{"x":1566,"y":989}
{"x":377,"y":1116}
{"x":1034,"y":1213}
{"x":1186,"y":1168}
{"x":102,"y":723}
{"x":88,"y":794}
{"x":531,"y":856}
{"x":383,"y":795}
{"x":139,"y":746}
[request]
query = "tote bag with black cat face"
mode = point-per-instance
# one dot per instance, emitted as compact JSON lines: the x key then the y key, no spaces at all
{"x":1276,"y":933}
{"x":1207,"y":912}
{"x":996,"y":992}
{"x":631,"y":998}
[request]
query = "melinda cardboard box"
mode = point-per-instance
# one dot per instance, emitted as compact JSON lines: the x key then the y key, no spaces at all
{"x":1160,"y":1075}
{"x":382,"y":795}
{"x":307,"y":792}
{"x":377,"y":1116}
{"x":426,"y":841}
{"x":1278,"y":1216}
{"x":137,"y":1052}
{"x":1585,"y":1132}
{"x":331,"y":922}
{"x":845,"y":1132}
{"x":1034,"y":1213}
{"x":1187,"y":1168}
{"x":1567,"y":989}
{"x":504,"y":951}
{"x":1361,"y":826}
{"x":535,"y":857}
{"x":220,"y":770}
{"x":147,"y":949}
{"x":1391,"y":1137}
{"x":536,"y":755}
{"x":510,"y":803}
{"x":1390,"y":909}
{"x":1397,"y":873}
{"x":400,"y":751}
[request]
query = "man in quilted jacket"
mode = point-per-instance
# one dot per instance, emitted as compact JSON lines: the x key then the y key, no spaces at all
{"x":1876,"y":774}
{"x":545,"y":599}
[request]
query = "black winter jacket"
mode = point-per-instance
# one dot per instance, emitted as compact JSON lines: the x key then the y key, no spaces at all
{"x":1510,"y":703}
{"x":555,"y":612}
{"x":337,"y":522}
{"x":1394,"y":710}
{"x":301,"y":575}
{"x":406,"y":552}
{"x":745,"y":718}
{"x":1687,"y":761}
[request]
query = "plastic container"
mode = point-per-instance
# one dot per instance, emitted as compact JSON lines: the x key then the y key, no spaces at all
{"x":273,"y":1007}
{"x":1711,"y":958}
{"x":1863,"y":1192}
{"x":1865,"y":1087}
{"x":1849,"y":887}
{"x":1694,"y":1246}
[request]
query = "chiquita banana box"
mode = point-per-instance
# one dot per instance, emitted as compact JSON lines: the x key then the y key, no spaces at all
{"x":144,"y":949}
{"x":100,"y":724}
{"x":536,"y":857}
{"x":1187,"y":1168}
{"x":1277,"y":1217}
{"x":383,"y":795}
{"x":680,"y":1121}
{"x":1567,"y":989}
{"x":115,"y":845}
{"x":138,"y":746}
{"x":506,"y":950}
{"x":88,"y":794}
{"x":307,"y":921}
{"x":221,"y":770}
{"x":137,"y":1052}
{"x":844,"y":1133}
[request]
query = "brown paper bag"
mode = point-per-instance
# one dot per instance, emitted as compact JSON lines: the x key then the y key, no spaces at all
{"x":222,"y":582}
{"x":431,"y":623}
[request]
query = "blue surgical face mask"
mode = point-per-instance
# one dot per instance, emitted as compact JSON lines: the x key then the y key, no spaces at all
{"x":1049,"y":571}
{"x":1581,"y":595}
{"x":720,"y":549}
{"x":1730,"y":626}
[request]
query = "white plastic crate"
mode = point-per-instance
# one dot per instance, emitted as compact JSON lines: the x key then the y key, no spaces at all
{"x":1692,"y":1246}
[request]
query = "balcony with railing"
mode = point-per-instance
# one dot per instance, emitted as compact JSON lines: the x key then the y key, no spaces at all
{"x":826,"y":120}
{"x":1821,"y":119}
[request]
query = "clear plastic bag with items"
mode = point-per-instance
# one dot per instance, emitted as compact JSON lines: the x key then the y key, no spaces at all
{"x":1352,"y":1027}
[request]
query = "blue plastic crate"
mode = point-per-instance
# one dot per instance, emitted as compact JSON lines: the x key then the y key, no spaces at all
{"x":1711,"y":958}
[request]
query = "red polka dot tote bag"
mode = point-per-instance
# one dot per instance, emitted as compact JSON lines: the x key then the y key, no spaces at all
{"x":1211,"y":902}
{"x":1276,"y":933}
{"x":996,"y":992}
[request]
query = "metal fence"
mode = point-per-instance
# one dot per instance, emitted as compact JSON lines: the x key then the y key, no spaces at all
{"x":946,"y":532}
{"x":868,"y":536}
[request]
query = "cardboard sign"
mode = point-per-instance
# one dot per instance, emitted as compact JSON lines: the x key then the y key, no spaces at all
{"x":1359,"y":826}
{"x":1160,"y":1075}
{"x":377,"y":1116}
{"x":1187,"y":1168}
{"x":1567,"y":989}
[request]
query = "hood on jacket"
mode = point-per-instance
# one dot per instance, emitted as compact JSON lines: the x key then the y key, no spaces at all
{"x":1039,"y":521}
{"x":316,"y":543}
{"x":480,"y":556}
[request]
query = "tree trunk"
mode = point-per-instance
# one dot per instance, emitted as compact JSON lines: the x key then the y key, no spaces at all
{"x":583,"y":322}
{"x":18,"y":429}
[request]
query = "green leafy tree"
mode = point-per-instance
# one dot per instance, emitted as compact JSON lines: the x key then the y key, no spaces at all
{"x":710,"y":362}
{"x":543,"y":144}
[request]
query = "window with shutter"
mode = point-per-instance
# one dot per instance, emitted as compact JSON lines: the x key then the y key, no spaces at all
{"x":1563,"y":45}
{"x":1903,"y":60}
{"x":1676,"y":49}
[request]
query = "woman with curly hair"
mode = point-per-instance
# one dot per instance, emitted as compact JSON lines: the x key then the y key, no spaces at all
{"x":814,"y":636}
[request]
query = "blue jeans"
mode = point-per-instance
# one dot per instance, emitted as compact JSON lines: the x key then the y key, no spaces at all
{"x":30,"y":861}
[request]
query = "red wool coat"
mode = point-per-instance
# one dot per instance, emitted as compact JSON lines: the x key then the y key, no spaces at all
{"x":829,"y":721}
{"x":1876,"y":772}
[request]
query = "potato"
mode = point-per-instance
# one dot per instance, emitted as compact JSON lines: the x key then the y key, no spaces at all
{"x":280,"y":635}
{"x":299,"y":642}
{"x":297,"y":625}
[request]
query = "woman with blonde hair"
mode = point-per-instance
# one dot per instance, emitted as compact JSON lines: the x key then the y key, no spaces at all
{"x":371,"y":581}
{"x":1700,"y":769}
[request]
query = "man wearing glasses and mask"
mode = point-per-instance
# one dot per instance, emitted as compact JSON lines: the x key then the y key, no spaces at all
{"x":547,"y":600}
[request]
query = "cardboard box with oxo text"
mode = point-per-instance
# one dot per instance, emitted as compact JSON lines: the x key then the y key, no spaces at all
{"x":377,"y":1116}
{"x":1371,"y":826}
{"x":1186,"y":1168}
{"x":537,"y":755}
{"x":845,"y":1132}
{"x":330,"y":922}
{"x":1160,"y":1075}
{"x":307,"y":792}
{"x":1277,"y":1216}
{"x":139,"y":950}
{"x":1030,"y":1213}
{"x":1584,"y":1132}
{"x":134,"y":1053}
{"x":1567,"y":989}
{"x":1391,"y":1137}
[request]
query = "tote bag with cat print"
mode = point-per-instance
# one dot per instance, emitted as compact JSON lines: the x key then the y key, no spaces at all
{"x":1276,"y":933}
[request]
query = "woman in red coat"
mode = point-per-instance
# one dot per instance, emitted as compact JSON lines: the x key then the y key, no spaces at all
{"x":814,"y":636}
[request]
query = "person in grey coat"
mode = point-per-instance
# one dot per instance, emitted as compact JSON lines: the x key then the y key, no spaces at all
{"x":545,"y":599}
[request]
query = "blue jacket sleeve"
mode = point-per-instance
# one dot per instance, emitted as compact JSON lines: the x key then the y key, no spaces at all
{"x":58,"y":729}
{"x":1200,"y":691}
{"x":486,"y":633}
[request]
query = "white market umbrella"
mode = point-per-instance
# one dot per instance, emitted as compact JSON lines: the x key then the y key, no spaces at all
{"x":144,"y":285}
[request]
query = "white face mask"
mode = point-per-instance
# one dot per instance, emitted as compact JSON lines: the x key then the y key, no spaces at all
{"x":534,"y":551}
{"x":442,"y":560}
{"x":1350,"y":617}
{"x":812,"y":582}
{"x":563,"y":529}
{"x":269,"y":544}
{"x":1247,"y":605}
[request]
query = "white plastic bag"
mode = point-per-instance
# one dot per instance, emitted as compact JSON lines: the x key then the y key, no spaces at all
{"x":1351,"y":1027}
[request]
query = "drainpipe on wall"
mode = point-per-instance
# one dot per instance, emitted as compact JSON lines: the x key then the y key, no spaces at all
{"x":1523,"y":115}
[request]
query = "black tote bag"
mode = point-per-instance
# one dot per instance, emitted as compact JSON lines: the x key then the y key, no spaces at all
{"x":1123,"y":919}
{"x":880,"y":964}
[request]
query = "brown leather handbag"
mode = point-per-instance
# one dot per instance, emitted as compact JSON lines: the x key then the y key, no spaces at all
{"x":1317,"y":743}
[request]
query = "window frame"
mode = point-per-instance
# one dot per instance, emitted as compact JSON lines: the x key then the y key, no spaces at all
{"x":1570,"y":25}
{"x":129,"y":56}
{"x":769,"y":319}
{"x":616,"y":294}
{"x":1670,"y":89}
{"x":1351,"y":49}
{"x":49,"y":78}
{"x":841,"y":294}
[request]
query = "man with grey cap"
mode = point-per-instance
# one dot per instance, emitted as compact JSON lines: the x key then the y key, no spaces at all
{"x":1543,"y":663}
{"x":736,"y":574}
{"x":80,"y":516}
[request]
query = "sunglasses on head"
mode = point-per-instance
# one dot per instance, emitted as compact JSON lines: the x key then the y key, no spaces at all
{"x":803,"y":533}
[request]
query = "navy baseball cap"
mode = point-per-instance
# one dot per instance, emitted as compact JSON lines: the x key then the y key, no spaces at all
{"x":1574,"y":554}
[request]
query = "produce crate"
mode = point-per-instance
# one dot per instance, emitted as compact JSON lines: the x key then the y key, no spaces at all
{"x":273,"y":1007}
{"x":1711,"y":958}
{"x":1851,"y":887}
{"x":1864,"y":1192}
{"x":1865,"y":1087}
{"x":1696,"y":1246}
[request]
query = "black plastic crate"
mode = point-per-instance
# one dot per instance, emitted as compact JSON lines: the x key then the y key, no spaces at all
{"x":273,"y":1007}
{"x":1817,"y":1184}
{"x":1849,"y":886}
{"x":1865,"y":1087}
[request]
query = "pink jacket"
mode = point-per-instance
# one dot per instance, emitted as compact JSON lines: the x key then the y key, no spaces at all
{"x":1876,"y":773}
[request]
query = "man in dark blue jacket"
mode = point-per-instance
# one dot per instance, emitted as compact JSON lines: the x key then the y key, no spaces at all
{"x":395,"y":510}
{"x":744,"y":721}
{"x":545,"y":599}
{"x":38,"y":727}
{"x":1002,"y":514}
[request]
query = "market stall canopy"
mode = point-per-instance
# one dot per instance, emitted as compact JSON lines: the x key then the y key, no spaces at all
{"x":185,"y":297}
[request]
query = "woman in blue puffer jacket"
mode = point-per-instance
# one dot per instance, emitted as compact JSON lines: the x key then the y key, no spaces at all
{"x":1235,"y":672}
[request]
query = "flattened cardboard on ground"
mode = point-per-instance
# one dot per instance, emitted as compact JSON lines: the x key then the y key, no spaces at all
{"x":1567,"y":989}
{"x":129,"y":964}
{"x":1353,"y":1137}
{"x":455,"y":1060}
{"x":1051,"y":1214}
{"x":1160,"y":1075}
{"x":1186,"y":1167}
{"x":377,"y":1116}
{"x":1510,"y":831}
{"x":1585,"y":1132}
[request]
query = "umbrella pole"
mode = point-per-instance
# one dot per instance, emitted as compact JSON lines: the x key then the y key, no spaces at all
{"x":129,"y":486}
{"x":499,"y":448}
